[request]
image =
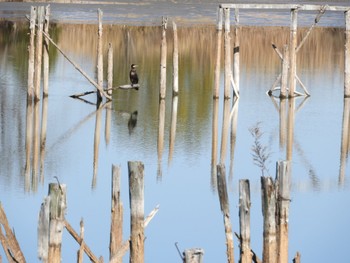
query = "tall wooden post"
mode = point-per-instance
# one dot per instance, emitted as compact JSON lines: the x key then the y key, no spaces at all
{"x":175,"y":62}
{"x":136,"y":193}
{"x":110,"y":69}
{"x":347,"y":55}
{"x":46,"y":53}
{"x":236,"y":51}
{"x":244,"y":220}
{"x":227,"y":51}
{"x":218,"y":53}
{"x":38,"y":53}
{"x":31,"y":55}
{"x":99,"y":55}
{"x":292,"y":51}
{"x":163,"y":59}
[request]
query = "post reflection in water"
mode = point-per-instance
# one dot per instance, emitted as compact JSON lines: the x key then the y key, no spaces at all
{"x":161,"y":126}
{"x":173,"y":128}
{"x":344,"y":146}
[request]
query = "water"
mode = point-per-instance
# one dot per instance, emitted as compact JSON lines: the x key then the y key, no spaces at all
{"x":179,"y":179}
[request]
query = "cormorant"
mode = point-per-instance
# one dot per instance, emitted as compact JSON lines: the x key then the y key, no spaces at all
{"x":133,"y":75}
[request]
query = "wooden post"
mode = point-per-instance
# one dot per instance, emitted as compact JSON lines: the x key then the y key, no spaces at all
{"x":175,"y":62}
{"x":236,"y":51}
{"x":116,"y":236}
{"x":43,"y":230}
{"x":269,"y":213}
{"x":292,"y":51}
{"x":347,"y":55}
{"x":57,"y":193}
{"x":99,"y":55}
{"x":244,"y":221}
{"x":110,"y":70}
{"x":224,"y":205}
{"x":31,"y":55}
{"x":38,"y":53}
{"x":218,"y":54}
{"x":163,"y":59}
{"x":193,"y":255}
{"x":46,"y":53}
{"x":297,"y":257}
{"x":285,"y":65}
{"x":227,"y":51}
{"x":283,"y":180}
{"x":136,"y":193}
{"x":81,"y":248}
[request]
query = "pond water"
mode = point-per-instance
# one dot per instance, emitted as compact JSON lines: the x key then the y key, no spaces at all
{"x":178,"y":169}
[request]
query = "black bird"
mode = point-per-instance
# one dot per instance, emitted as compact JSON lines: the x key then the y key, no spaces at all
{"x":133,"y":75}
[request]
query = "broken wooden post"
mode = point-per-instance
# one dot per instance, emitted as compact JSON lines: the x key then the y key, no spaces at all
{"x":136,"y":194}
{"x":38,"y":53}
{"x":218,"y":53}
{"x":283,"y":180}
{"x":80,"y":252}
{"x":227,"y":52}
{"x":116,"y":235}
{"x":175,"y":62}
{"x":347,"y":55}
{"x":99,"y":55}
{"x":163,"y":59}
{"x":292,"y":51}
{"x":224,"y":205}
{"x":236,"y":52}
{"x":110,"y":70}
{"x":46,"y":53}
{"x":57,"y":193}
{"x":268,"y":197}
{"x":31,"y":55}
{"x":244,"y":221}
{"x":284,"y":78}
{"x":193,"y":255}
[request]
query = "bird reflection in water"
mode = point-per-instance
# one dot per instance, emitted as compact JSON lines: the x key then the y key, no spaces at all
{"x":132,"y":122}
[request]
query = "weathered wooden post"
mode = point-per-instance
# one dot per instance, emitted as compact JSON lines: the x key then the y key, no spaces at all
{"x":46,"y":53}
{"x":193,"y":255}
{"x":163,"y":59}
{"x":31,"y":55}
{"x":218,"y":53}
{"x":57,"y":193}
{"x":283,"y":180}
{"x":285,"y":66}
{"x":116,"y":236}
{"x":268,"y":197}
{"x":224,"y":205}
{"x":175,"y":62}
{"x":227,"y":52}
{"x":297,"y":257}
{"x":43,"y":230}
{"x":244,"y":221}
{"x":99,"y":55}
{"x":80,"y":253}
{"x":110,"y":69}
{"x":38,"y":53}
{"x":347,"y":55}
{"x":136,"y":193}
{"x":236,"y":52}
{"x":292,"y":51}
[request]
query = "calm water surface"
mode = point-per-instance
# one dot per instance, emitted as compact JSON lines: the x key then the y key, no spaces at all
{"x":179,"y":178}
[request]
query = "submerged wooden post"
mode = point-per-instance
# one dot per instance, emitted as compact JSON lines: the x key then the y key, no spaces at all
{"x":175,"y":62}
{"x":99,"y":55}
{"x":227,"y":52}
{"x":116,"y":235}
{"x":218,"y":53}
{"x":236,"y":51}
{"x":292,"y":51}
{"x":268,"y":197}
{"x":46,"y":53}
{"x":285,"y":66}
{"x":38,"y":53}
{"x":193,"y":255}
{"x":224,"y":205}
{"x":57,"y":193}
{"x":31,"y":55}
{"x":136,"y":193}
{"x":244,"y":221}
{"x":283,"y":174}
{"x":347,"y":55}
{"x":110,"y":69}
{"x":163,"y":59}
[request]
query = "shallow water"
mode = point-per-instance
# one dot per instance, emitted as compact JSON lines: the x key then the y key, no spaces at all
{"x":177,"y":177}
